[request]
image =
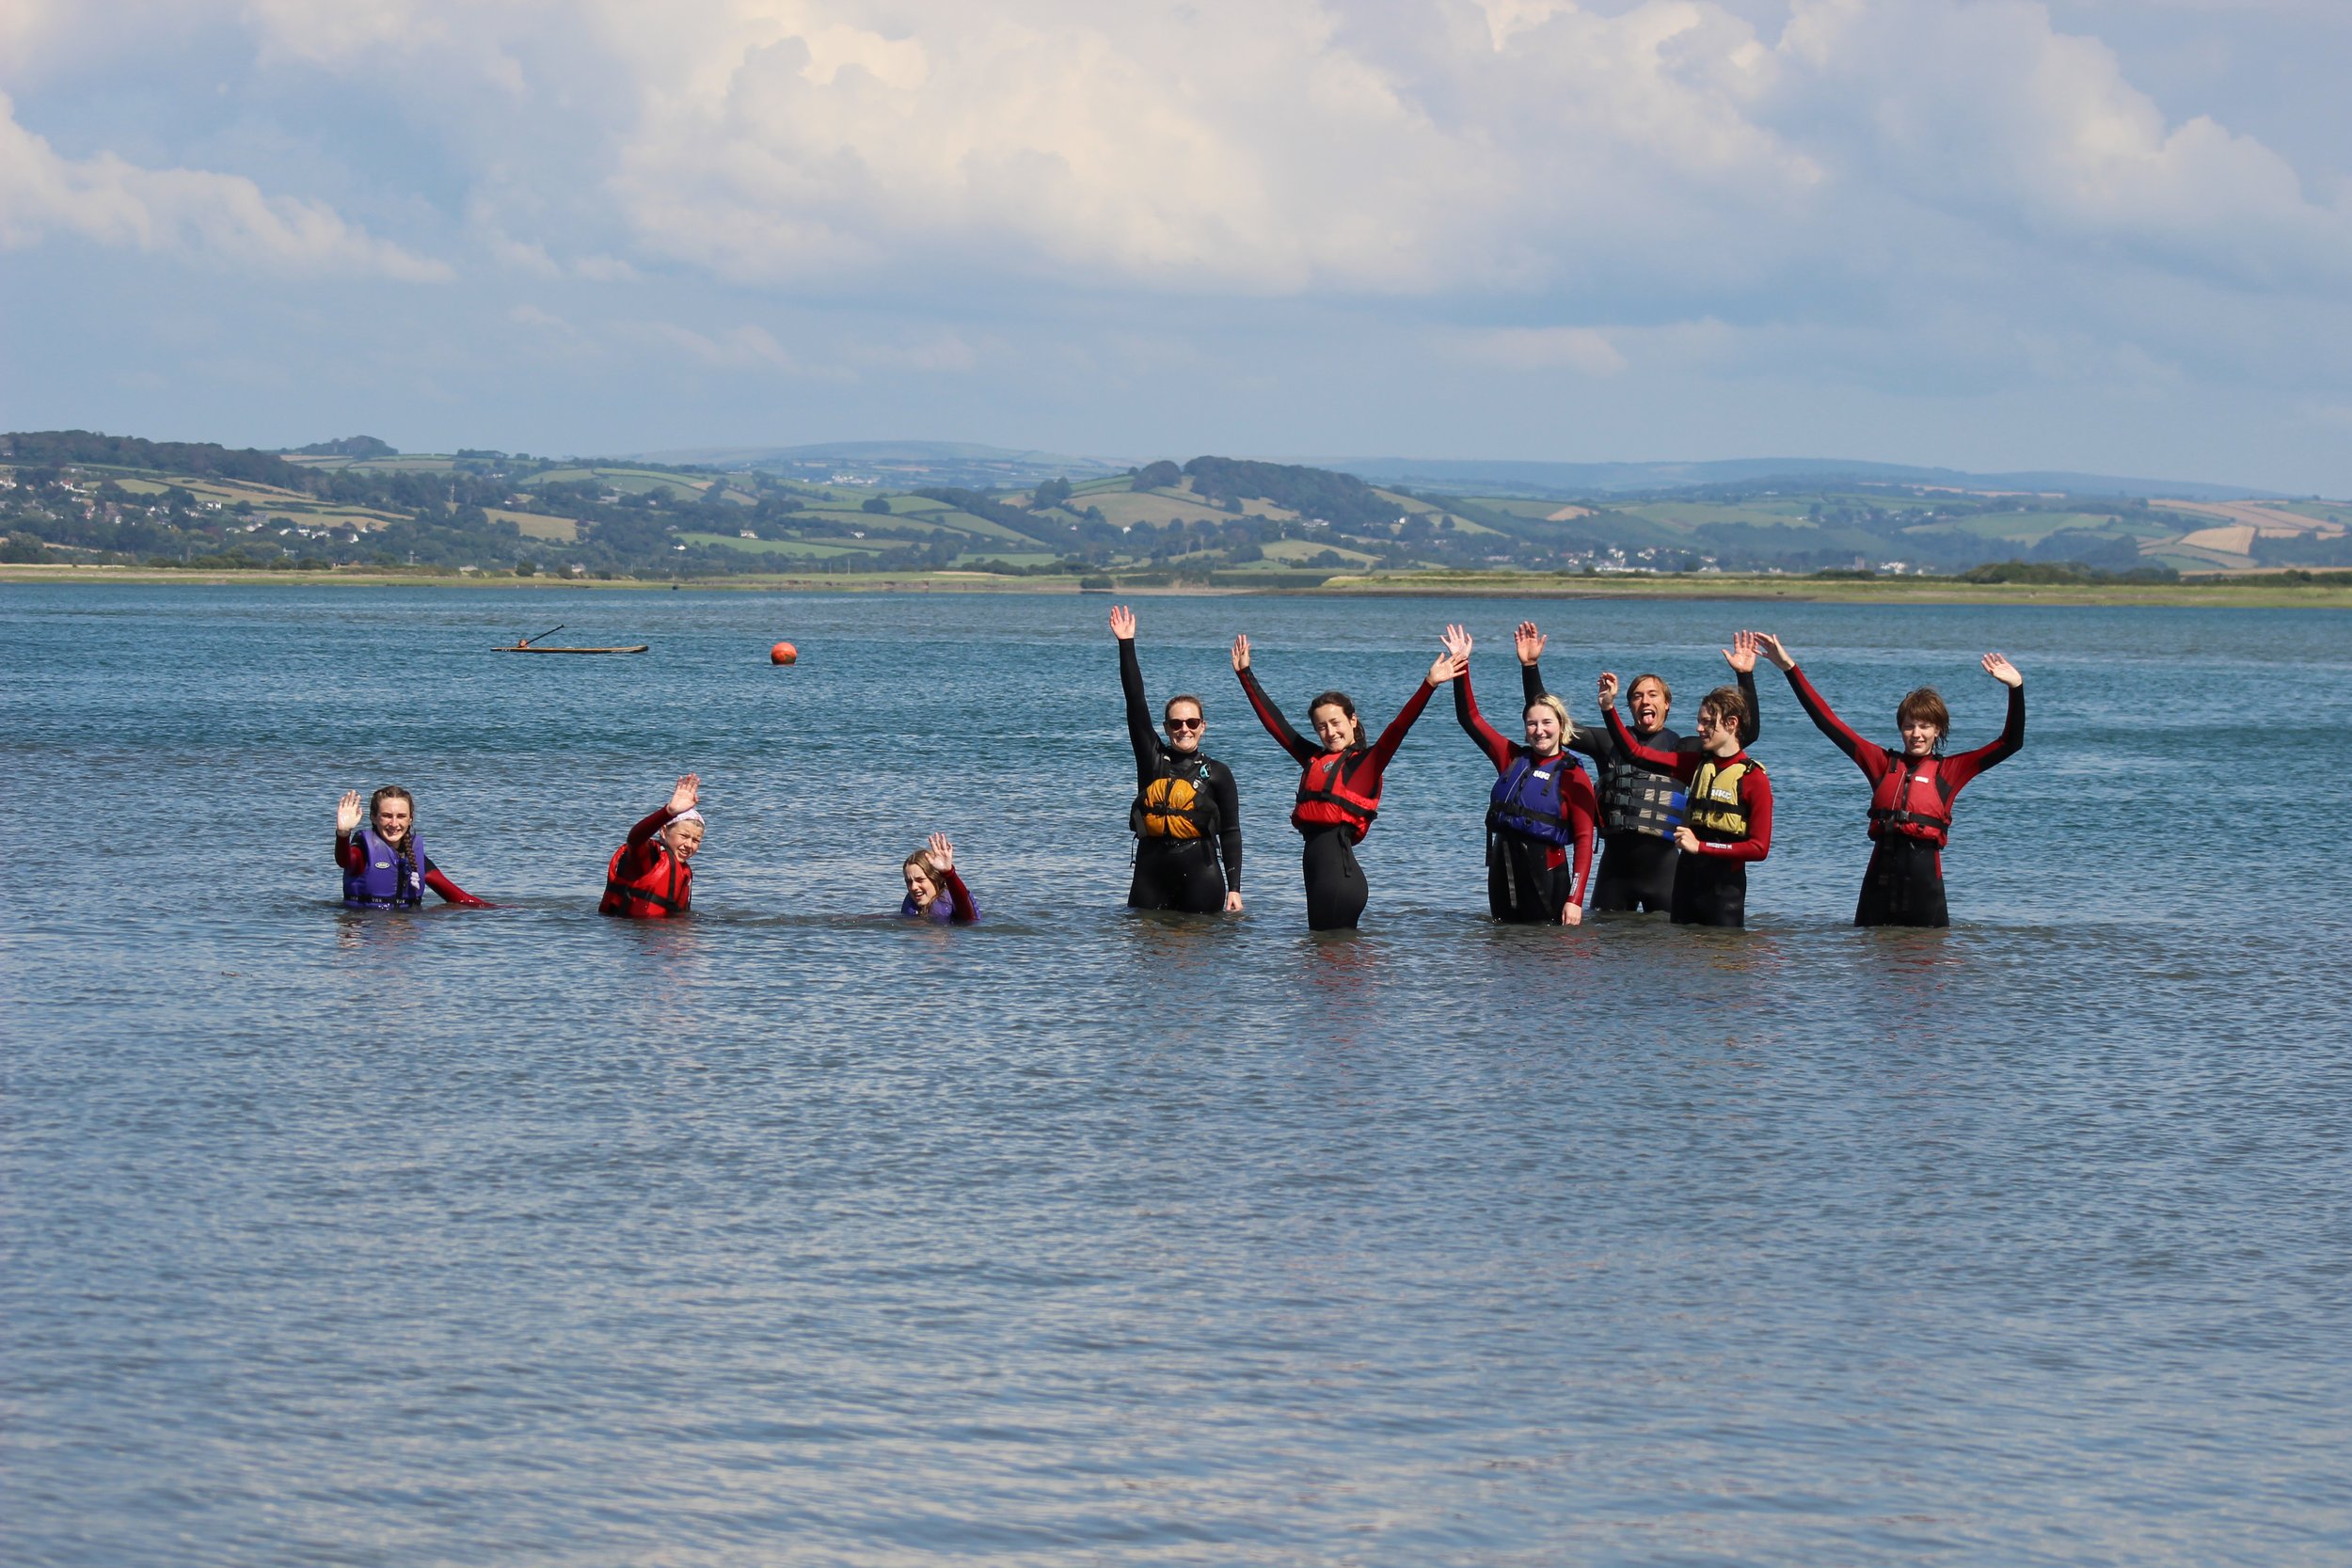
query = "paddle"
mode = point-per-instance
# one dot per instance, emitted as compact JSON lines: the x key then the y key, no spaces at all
{"x":526,"y":641}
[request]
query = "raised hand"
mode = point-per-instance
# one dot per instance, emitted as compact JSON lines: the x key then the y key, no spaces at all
{"x":1529,"y":642}
{"x":1769,"y":646}
{"x":1608,"y":688}
{"x":1741,"y":656}
{"x":1122,"y":623}
{"x":1449,"y":663}
{"x":2003,"y":670}
{"x":689,"y":790}
{"x":349,"y":812}
{"x":944,"y":853}
{"x":1457,"y":642}
{"x":1241,"y":654}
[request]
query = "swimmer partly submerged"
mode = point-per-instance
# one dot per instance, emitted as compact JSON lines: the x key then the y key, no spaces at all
{"x":935,"y":892}
{"x":383,"y":858}
{"x":1911,"y":790}
{"x":648,"y":878}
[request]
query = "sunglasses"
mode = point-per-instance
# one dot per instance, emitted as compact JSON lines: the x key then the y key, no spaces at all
{"x":1187,"y":723}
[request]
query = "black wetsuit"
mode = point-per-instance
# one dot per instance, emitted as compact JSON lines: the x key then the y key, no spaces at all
{"x":1178,"y":873}
{"x":1637,"y":856}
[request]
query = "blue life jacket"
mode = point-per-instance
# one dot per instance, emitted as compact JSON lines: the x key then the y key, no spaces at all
{"x":1527,"y":800}
{"x":390,"y":879}
{"x":942,"y":909}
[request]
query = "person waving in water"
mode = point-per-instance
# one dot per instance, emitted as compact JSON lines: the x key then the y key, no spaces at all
{"x":1729,"y":821}
{"x":383,"y":858}
{"x":935,"y":892}
{"x":1339,"y":790}
{"x":1912,"y":789}
{"x":1539,"y":819}
{"x":648,"y":878}
{"x":1640,"y":808}
{"x":1187,"y":816}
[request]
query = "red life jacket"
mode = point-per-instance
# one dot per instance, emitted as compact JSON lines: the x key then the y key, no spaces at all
{"x":1325,"y":798}
{"x":1909,"y":800}
{"x":662,"y":888}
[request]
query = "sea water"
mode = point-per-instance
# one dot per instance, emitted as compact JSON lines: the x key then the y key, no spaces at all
{"x":790,"y":1233}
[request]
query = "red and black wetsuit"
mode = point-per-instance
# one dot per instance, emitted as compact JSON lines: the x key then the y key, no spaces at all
{"x":643,"y":881}
{"x":351,"y":855}
{"x":1730,"y":814}
{"x":1338,"y":796}
{"x":1174,"y":872}
{"x":1532,"y":879}
{"x":1637,"y":814}
{"x":1910,"y":811}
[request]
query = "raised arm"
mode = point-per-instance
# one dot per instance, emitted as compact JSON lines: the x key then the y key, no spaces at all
{"x":1741,"y":656}
{"x":961,"y":911}
{"x":681,"y":800}
{"x":1867,"y":754}
{"x":1498,"y":750}
{"x":1529,"y":644}
{"x":349,"y":812}
{"x":1966,"y":766}
{"x":1139,"y":731}
{"x":1268,"y":714}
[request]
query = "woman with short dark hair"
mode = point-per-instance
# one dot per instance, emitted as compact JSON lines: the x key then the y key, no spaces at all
{"x":1911,"y":790}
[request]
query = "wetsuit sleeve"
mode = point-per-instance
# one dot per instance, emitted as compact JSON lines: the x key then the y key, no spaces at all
{"x":1228,"y":798}
{"x":1752,"y":725}
{"x":1275,"y":725}
{"x":1466,"y":709}
{"x":350,"y":853}
{"x":1393,"y":736}
{"x":450,"y":891}
{"x":959,"y":899}
{"x":1755,"y":798}
{"x":1868,"y":755}
{"x":650,"y":826}
{"x":1139,"y":731}
{"x":1679,"y":763}
{"x":1592,"y":743}
{"x":1531,"y":681}
{"x":638,"y":854}
{"x":1966,"y":766}
{"x":1583,"y":811}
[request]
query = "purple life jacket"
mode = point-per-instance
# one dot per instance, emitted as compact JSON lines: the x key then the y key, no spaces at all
{"x":388,"y":880}
{"x":942,"y":909}
{"x":1526,"y":800}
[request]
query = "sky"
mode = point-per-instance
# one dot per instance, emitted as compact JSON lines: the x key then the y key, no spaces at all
{"x":2103,"y":235}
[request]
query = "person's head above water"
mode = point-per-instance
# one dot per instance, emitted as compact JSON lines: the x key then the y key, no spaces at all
{"x":1186,"y":723}
{"x":683,"y":833}
{"x":1549,"y":726}
{"x":393,"y":812}
{"x":1722,"y":712}
{"x":1333,"y":714}
{"x":926,"y":871}
{"x":1648,"y":703}
{"x":1924,"y":722}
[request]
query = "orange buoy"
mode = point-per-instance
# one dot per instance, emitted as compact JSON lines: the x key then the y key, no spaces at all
{"x":784,"y":653}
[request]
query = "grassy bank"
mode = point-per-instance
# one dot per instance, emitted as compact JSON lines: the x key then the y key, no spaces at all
{"x":2221,"y":592}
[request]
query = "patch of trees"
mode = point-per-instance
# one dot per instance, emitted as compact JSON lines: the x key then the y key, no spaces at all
{"x":129,"y":451}
{"x":1343,"y":500}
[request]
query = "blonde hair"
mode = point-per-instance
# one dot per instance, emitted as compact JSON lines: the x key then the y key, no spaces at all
{"x":1560,"y":711}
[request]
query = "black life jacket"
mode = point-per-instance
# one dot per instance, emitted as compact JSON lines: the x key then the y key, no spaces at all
{"x":1716,"y":814}
{"x":1633,"y":800}
{"x":1177,"y":803}
{"x":1910,"y":800}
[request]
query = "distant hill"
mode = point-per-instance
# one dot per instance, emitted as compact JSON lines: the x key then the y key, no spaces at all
{"x":1470,"y":476}
{"x":349,"y":446}
{"x":900,"y":465}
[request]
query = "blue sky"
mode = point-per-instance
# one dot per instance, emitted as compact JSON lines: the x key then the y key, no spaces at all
{"x":2096,"y":234}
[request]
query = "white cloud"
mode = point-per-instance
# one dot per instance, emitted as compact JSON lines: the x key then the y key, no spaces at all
{"x":1534,"y":348}
{"x":225,"y":217}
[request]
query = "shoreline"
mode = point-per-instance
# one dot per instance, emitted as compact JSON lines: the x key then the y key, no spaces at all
{"x":1542,"y":585}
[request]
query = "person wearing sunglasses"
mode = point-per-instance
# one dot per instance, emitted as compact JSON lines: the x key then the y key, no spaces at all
{"x":1187,"y":815}
{"x":1338,"y":784}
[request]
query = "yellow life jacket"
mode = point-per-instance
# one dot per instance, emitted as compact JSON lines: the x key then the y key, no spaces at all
{"x":1715,"y":813}
{"x":1177,"y":804}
